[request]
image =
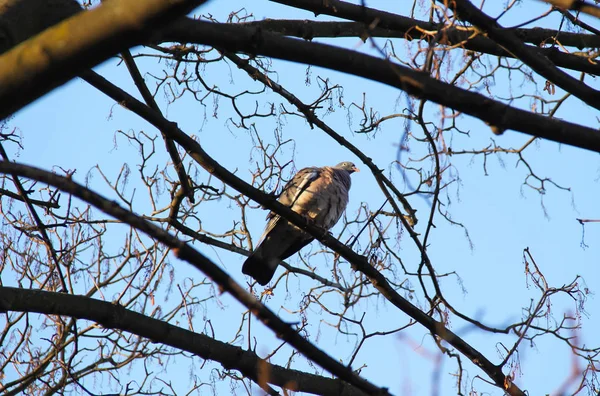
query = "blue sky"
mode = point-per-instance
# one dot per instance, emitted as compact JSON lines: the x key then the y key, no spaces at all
{"x":74,"y":127}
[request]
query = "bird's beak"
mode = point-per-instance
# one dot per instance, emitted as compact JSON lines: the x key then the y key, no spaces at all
{"x":355,"y":169}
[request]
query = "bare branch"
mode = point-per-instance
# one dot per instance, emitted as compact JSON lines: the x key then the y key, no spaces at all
{"x":149,"y":99}
{"x":37,"y":202}
{"x":198,"y":260}
{"x":498,"y":115}
{"x":357,"y":261}
{"x":465,"y":10}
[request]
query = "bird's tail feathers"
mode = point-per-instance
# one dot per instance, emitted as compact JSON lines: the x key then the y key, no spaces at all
{"x":260,"y":269}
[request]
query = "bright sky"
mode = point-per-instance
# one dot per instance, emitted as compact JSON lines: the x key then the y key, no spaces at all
{"x":74,"y":128}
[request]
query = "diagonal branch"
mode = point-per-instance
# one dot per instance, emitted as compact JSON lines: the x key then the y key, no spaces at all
{"x":39,"y":223}
{"x":174,"y":222}
{"x":383,"y":182}
{"x":466,"y":11}
{"x":358,"y":262}
{"x":149,"y":99}
{"x":114,"y":316}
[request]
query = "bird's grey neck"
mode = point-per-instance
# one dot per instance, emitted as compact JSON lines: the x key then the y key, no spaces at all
{"x":343,"y":177}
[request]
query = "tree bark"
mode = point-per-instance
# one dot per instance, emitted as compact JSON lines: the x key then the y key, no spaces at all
{"x":59,"y":53}
{"x":22,"y":19}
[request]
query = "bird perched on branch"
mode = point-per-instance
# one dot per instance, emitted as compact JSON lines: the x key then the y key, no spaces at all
{"x":319,"y":194}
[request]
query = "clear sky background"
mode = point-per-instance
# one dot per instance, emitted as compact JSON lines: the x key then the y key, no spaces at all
{"x":74,"y":128}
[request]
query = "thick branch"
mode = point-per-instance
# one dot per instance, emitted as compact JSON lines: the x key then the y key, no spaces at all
{"x":504,"y":37}
{"x":399,"y":23}
{"x":496,"y":114}
{"x":54,"y":56}
{"x":308,"y":30}
{"x":114,"y":316}
{"x":238,"y":38}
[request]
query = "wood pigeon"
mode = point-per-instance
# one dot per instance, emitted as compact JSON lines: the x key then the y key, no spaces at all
{"x":319,"y":194}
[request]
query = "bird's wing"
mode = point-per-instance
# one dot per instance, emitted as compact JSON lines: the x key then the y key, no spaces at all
{"x":292,"y":191}
{"x":320,"y":194}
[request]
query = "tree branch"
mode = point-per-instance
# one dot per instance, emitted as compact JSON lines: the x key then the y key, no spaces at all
{"x":576,"y":5}
{"x":531,"y":56}
{"x":44,"y":204}
{"x":466,"y":11}
{"x":383,"y":182}
{"x":187,"y":253}
{"x":496,"y":114}
{"x":39,"y":223}
{"x":170,"y":146}
{"x":357,"y":261}
{"x":255,"y":41}
{"x":413,"y":29}
{"x":398,"y":23}
{"x":51,"y":58}
{"x":113,"y":316}
{"x":22,"y":19}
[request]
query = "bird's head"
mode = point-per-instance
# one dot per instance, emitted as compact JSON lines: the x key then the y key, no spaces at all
{"x":347,"y":166}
